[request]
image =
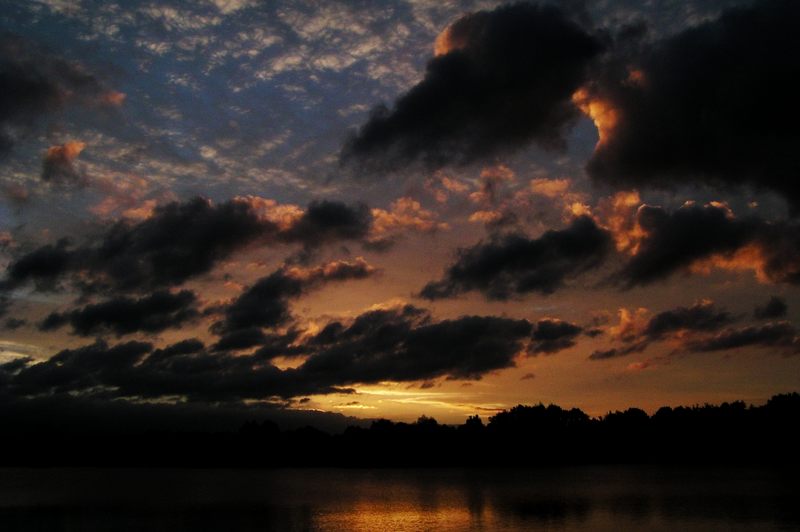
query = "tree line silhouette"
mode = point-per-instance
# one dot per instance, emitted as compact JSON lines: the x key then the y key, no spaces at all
{"x":539,"y":435}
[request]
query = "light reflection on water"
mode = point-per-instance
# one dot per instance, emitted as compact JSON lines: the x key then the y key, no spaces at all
{"x":589,"y":498}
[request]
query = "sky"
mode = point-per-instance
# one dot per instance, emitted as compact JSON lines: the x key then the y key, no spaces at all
{"x":395,"y":208}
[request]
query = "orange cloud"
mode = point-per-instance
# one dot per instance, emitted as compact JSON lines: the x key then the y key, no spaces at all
{"x":498,"y":173}
{"x":551,"y":188}
{"x":636,"y":77}
{"x":577,"y":209}
{"x":141,"y":212}
{"x":486,"y":217}
{"x":441,"y":186}
{"x":126,"y":196}
{"x":617,"y":214}
{"x":450,"y":39}
{"x":404,"y":214}
{"x":630,"y":326}
{"x":59,"y":159}
{"x":68,"y":151}
{"x":112,"y":98}
{"x":6,"y":240}
{"x":15,"y":193}
{"x":604,"y":116}
{"x":453,"y":185}
{"x":333,"y":270}
{"x":283,"y":215}
{"x":639,"y":366}
{"x":751,"y":257}
{"x":491,"y":178}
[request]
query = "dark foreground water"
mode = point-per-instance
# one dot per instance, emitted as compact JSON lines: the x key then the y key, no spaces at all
{"x":585,"y":498}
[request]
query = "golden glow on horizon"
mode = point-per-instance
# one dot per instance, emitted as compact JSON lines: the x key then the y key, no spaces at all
{"x":447,"y":513}
{"x":407,"y":401}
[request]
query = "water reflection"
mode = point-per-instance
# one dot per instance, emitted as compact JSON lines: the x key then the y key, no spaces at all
{"x":602,"y":498}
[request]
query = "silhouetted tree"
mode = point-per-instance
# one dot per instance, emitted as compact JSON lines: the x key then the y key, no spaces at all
{"x":523,"y":435}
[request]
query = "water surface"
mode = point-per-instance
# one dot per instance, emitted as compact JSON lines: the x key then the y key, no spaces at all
{"x":583,"y":498}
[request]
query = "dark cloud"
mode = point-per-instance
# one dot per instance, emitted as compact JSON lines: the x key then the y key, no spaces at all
{"x":702,"y":316}
{"x":270,"y":345}
{"x":776,"y":307}
{"x":8,"y":372}
{"x":178,"y":242}
{"x":241,"y":339}
{"x":403,"y":344}
{"x":329,"y":221}
{"x":88,"y":415}
{"x":285,"y":345}
{"x":594,"y":332}
{"x":184,"y":347}
{"x":501,"y":79}
{"x":552,"y":335}
{"x":616,"y":352}
{"x":81,"y":369}
{"x":514,"y":264}
{"x":781,"y":336}
{"x":675,"y":240}
{"x":35,"y":82}
{"x":125,"y":371}
{"x":12,"y":324}
{"x":338,"y":270}
{"x":123,"y":315}
{"x":43,"y":266}
{"x":705,"y":325}
{"x":778,"y":244}
{"x":713,"y":104}
{"x":266,"y":302}
{"x":5,"y":304}
{"x":406,"y":345}
{"x":14,"y":366}
{"x":58,"y":164}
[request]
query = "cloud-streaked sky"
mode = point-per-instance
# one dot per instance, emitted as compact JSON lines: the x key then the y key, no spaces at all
{"x":387,"y":209}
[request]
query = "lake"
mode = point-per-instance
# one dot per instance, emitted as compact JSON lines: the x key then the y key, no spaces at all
{"x":231,"y":500}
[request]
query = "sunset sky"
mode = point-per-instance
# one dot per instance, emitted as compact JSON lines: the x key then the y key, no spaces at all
{"x":396,"y":208}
